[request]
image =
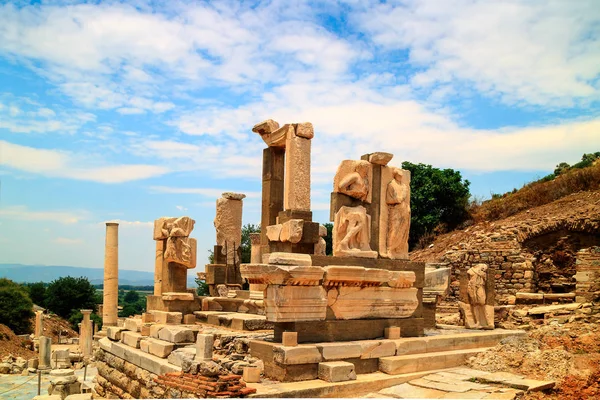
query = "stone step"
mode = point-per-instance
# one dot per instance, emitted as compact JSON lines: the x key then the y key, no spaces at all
{"x":233,"y":320}
{"x":455,"y":341}
{"x":425,"y":362}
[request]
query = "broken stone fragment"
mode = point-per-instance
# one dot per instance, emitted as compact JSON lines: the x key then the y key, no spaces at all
{"x":354,"y":178}
{"x":380,"y":158}
{"x":265,"y":127}
{"x":343,"y":275}
{"x":402,"y":279}
{"x":173,"y":227}
{"x":322,"y":230}
{"x":291,"y":231}
{"x":305,"y":130}
{"x":278,"y":258}
{"x":376,"y":277}
{"x":233,"y":196}
{"x":181,"y":250}
{"x":274,"y":232}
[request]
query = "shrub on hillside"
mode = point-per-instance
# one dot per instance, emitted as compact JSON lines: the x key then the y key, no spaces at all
{"x":37,"y":293}
{"x":68,"y":294}
{"x":539,"y":193}
{"x":16,"y":308}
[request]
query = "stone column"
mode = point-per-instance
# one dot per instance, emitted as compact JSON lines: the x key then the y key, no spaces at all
{"x":297,"y":167}
{"x":45,"y":352}
{"x":272,"y":191}
{"x":39,"y":324}
{"x":228,"y":224}
{"x":256,"y":258}
{"x":111,"y":275}
{"x":85,"y":334}
{"x":158,"y":267}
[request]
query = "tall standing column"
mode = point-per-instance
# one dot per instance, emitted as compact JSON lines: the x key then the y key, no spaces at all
{"x":45,"y":352}
{"x":39,"y":324}
{"x":111,"y":275}
{"x":85,"y":334}
{"x":256,"y":258}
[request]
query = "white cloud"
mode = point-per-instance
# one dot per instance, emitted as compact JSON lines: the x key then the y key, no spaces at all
{"x":24,"y":115}
{"x":543,"y":53}
{"x":133,"y":224}
{"x":181,"y":208}
{"x":23,"y":213}
{"x":67,"y":241}
{"x":63,"y":164}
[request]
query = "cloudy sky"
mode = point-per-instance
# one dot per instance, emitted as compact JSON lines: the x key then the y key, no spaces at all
{"x":134,"y":110}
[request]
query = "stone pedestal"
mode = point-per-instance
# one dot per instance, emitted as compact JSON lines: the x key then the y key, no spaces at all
{"x":45,"y":352}
{"x":111,"y":275}
{"x":85,"y":334}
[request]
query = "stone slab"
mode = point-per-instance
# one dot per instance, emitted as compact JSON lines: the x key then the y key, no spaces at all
{"x":131,"y":339}
{"x":408,"y":391}
{"x":160,"y":348}
{"x":301,"y":354}
{"x":347,"y":330}
{"x":425,"y":362}
{"x":177,"y":334}
{"x":336,"y":371}
{"x":114,"y":332}
{"x":376,"y":348}
{"x":339,"y":351}
{"x":132,"y":324}
{"x":554,"y":308}
{"x":166,"y":317}
{"x":530,"y":385}
{"x":290,"y":259}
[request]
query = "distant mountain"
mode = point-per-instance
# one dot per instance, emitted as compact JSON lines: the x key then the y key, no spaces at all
{"x":40,"y":273}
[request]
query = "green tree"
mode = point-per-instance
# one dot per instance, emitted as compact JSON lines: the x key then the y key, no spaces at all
{"x":37,"y":293}
{"x":16,"y":308}
{"x":560,"y":168}
{"x":202,"y":287}
{"x":66,"y":294}
{"x":329,"y":238}
{"x":438,"y":200}
{"x":131,"y":297}
{"x":76,"y":318}
{"x":246,"y":245}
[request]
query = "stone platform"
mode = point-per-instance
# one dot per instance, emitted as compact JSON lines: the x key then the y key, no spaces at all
{"x":452,"y":383}
{"x":234,"y":320}
{"x":391,"y":356}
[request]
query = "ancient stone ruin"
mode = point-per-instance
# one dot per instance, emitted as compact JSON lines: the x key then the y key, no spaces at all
{"x":307,"y":316}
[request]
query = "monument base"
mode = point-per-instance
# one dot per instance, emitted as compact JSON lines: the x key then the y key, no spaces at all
{"x":347,"y":330}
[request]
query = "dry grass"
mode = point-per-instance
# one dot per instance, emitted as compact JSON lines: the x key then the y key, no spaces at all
{"x":538,"y":193}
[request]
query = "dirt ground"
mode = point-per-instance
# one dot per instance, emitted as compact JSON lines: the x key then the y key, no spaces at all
{"x":568,"y":354}
{"x":12,"y":344}
{"x":54,"y":326}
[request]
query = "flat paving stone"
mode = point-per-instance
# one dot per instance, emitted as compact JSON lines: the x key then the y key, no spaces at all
{"x":408,"y":391}
{"x":499,"y":377}
{"x":506,"y":394}
{"x":457,"y":382}
{"x":530,"y":385}
{"x":447,"y":387}
{"x":471,"y":373}
{"x":471,"y":394}
{"x":453,"y":375}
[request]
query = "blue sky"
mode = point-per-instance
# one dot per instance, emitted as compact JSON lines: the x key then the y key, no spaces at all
{"x":131,"y":111}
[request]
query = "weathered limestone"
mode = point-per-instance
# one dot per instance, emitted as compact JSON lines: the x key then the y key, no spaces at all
{"x":321,"y":245}
{"x":290,"y":259}
{"x":166,"y":227}
{"x":336,"y":371}
{"x":158,"y":266}
{"x":181,"y":250}
{"x":289,"y":339}
{"x":167,"y":317}
{"x":204,"y":347}
{"x":394,"y":220}
{"x":380,"y":158}
{"x":39,"y":323}
{"x":176,"y":334}
{"x":354,"y":178}
{"x":295,"y":303}
{"x":45,"y":352}
{"x":85,"y":334}
{"x":402,"y":279}
{"x":291,"y":231}
{"x":251,"y":374}
{"x":282,"y":274}
{"x":133,"y":324}
{"x":372,"y":302}
{"x":351,"y":233}
{"x":392,"y":332}
{"x":478,"y":312}
{"x":114,"y":332}
{"x":265,"y":127}
{"x":228,"y":224}
{"x":255,"y":256}
{"x":131,"y":339}
{"x":111,"y":275}
{"x":297,"y":170}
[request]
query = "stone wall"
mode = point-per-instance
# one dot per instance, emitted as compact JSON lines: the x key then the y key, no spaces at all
{"x":588,"y":275}
{"x":120,"y":379}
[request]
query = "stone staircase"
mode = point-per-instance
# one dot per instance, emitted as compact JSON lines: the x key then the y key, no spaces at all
{"x":390,"y":356}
